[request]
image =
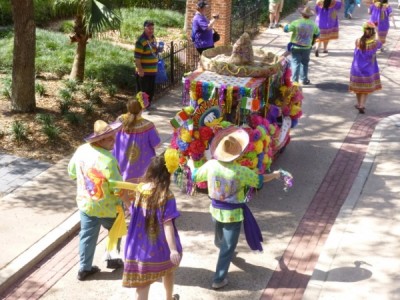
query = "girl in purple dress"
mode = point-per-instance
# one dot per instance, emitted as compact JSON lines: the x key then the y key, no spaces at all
{"x":327,"y":21}
{"x":153,"y":249}
{"x":380,"y":12}
{"x":136,"y":142}
{"x":364,"y":74}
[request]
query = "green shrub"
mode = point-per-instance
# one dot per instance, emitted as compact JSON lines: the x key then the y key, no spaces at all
{"x":65,"y":94}
{"x":45,"y":119}
{"x":40,"y":89}
{"x":18,"y":131}
{"x":95,"y":98}
{"x":67,"y":26}
{"x":73,"y":118}
{"x":64,"y":106}
{"x":111,"y":89}
{"x":88,"y":108}
{"x":51,"y":131}
{"x":71,"y":85}
{"x":6,"y":87}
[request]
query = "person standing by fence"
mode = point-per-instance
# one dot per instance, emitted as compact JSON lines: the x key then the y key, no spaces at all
{"x":146,"y":60}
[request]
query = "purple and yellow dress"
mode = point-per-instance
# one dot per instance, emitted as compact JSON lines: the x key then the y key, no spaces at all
{"x":147,"y":255}
{"x":134,"y":149}
{"x":327,"y":20}
{"x":364,"y":74}
{"x":380,"y":16}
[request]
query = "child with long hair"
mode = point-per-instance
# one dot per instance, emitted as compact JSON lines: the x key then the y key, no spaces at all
{"x":153,"y":249}
{"x":364,"y":74}
{"x":381,"y":12}
{"x":327,"y":21}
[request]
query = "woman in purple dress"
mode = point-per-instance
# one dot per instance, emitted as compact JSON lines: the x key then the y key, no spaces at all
{"x":136,"y":142}
{"x":153,"y":249}
{"x":364,"y":74}
{"x":327,"y":21}
{"x":381,"y":12}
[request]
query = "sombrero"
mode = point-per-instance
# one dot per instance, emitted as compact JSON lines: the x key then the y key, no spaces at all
{"x":306,"y":11}
{"x":228,"y":144}
{"x":102,"y":130}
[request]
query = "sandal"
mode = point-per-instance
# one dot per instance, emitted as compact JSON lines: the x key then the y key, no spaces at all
{"x":356,"y":106}
{"x":325,"y":51}
{"x":361,"y":110}
{"x":316,"y":53}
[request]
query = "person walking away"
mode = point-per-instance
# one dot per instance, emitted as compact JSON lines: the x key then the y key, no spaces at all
{"x":226,"y":182}
{"x":327,"y":21}
{"x":364,"y":73}
{"x":146,"y":60}
{"x":136,"y":142}
{"x":380,"y":14}
{"x":202,"y":28}
{"x":93,"y":165}
{"x":275,"y":10}
{"x":303,"y":31}
{"x":349,"y":6}
{"x":153,"y":249}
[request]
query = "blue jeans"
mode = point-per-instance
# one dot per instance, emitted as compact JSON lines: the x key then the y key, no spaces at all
{"x":226,"y":239}
{"x":348,"y":8}
{"x":88,"y":235}
{"x":299,"y":64}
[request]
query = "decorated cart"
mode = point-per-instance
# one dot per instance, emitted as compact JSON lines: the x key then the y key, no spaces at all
{"x":236,"y":87}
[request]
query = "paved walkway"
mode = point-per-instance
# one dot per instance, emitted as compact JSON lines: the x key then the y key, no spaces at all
{"x":334,"y":235}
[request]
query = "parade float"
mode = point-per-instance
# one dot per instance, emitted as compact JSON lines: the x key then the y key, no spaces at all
{"x":242,"y":87}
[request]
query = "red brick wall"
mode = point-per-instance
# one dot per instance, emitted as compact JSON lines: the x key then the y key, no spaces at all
{"x":222,"y":25}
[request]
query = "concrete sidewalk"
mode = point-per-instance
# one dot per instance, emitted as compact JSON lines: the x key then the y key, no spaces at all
{"x":356,"y":254}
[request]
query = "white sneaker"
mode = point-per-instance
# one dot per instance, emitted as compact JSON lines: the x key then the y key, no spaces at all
{"x":271,"y":26}
{"x":218,"y":285}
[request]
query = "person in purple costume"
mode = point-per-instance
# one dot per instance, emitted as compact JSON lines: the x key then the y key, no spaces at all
{"x":153,"y":249}
{"x":364,"y":74}
{"x":327,"y":21}
{"x":381,"y":12}
{"x":202,"y":28}
{"x":136,"y":142}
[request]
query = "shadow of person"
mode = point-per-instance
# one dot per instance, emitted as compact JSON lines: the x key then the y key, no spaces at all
{"x":344,"y":274}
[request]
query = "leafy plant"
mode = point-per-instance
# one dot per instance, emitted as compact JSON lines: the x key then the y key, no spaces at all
{"x":88,"y":108}
{"x":73,"y":118}
{"x":95,"y":98}
{"x":18,"y":131}
{"x":111,"y":90}
{"x":40,"y":89}
{"x":88,"y":88}
{"x":6,"y":88}
{"x":51,"y":131}
{"x":67,"y":26}
{"x":71,"y":85}
{"x":65,"y":94}
{"x":64,"y":106}
{"x":45,"y":119}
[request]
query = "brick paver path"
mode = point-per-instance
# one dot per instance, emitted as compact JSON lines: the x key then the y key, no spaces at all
{"x":297,"y":264}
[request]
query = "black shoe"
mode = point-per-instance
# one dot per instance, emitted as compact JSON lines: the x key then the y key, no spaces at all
{"x":85,"y":273}
{"x":316,"y":53}
{"x":306,"y":82}
{"x":115,"y":263}
{"x":175,"y":297}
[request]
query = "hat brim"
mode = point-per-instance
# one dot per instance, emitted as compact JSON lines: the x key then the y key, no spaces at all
{"x":114,"y":127}
{"x":306,"y":14}
{"x":216,"y":147}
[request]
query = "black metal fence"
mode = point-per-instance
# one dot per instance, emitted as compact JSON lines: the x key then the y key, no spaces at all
{"x":245,"y":18}
{"x":179,"y":58}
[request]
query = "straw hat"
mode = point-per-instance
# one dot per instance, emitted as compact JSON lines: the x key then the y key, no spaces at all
{"x":102,"y":130}
{"x":306,"y":11}
{"x":228,"y":144}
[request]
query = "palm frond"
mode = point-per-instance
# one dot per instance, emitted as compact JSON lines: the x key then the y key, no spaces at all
{"x":67,"y":6}
{"x":98,"y":17}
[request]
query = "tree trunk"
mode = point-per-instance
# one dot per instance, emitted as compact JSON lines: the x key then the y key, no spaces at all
{"x":23,"y":73}
{"x":80,"y":37}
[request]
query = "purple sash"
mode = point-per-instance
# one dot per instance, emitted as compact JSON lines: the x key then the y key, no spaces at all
{"x":251,"y":229}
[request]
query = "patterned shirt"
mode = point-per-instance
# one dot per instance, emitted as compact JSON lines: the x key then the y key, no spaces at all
{"x":303,"y":31}
{"x":226,"y":182}
{"x":146,"y":52}
{"x":93,"y":167}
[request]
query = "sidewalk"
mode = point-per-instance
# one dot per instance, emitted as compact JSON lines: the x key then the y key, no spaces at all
{"x":334,"y":235}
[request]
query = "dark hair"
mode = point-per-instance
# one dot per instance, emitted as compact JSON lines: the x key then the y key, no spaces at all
{"x":327,"y":4}
{"x":158,"y":175}
{"x":134,"y":108}
{"x":202,"y":4}
{"x":148,"y":23}
{"x":368,"y":33}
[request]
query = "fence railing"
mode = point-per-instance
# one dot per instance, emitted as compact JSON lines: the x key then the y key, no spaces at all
{"x":179,"y":58}
{"x":245,"y":18}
